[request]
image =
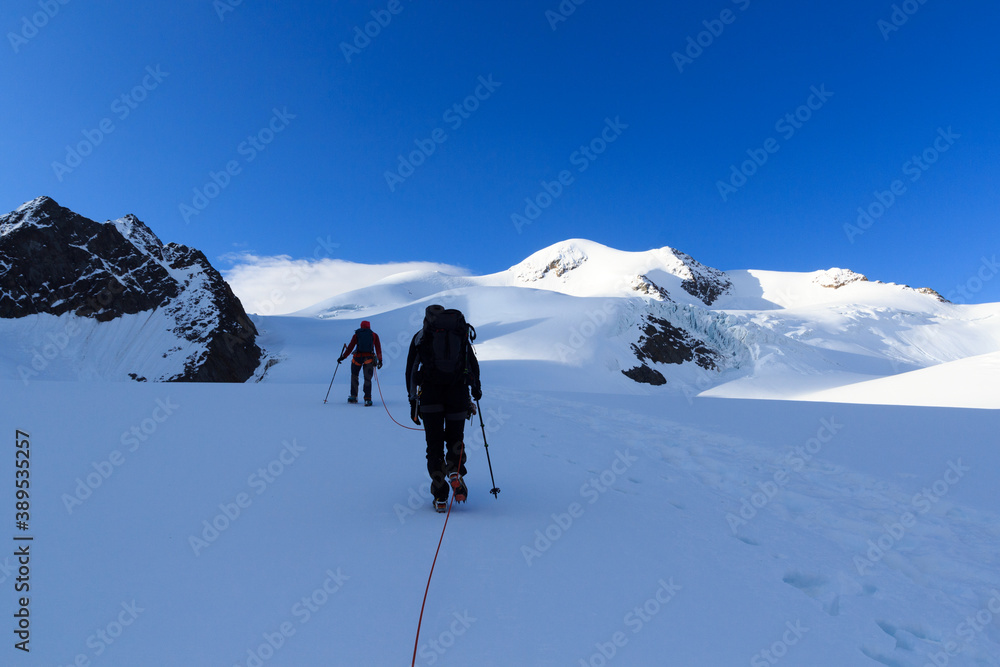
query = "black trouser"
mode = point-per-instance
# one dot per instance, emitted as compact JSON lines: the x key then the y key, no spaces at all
{"x":443,"y":409}
{"x":356,"y":366}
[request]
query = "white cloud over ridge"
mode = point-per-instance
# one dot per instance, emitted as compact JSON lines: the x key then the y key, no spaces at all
{"x":279,"y":285}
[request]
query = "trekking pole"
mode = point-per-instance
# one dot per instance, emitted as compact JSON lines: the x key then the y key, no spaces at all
{"x":486,"y":445}
{"x":334,"y":373}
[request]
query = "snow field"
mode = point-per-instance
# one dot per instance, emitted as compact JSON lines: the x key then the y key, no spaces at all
{"x":255,"y":523}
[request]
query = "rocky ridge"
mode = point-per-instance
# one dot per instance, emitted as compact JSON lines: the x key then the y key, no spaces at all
{"x":54,"y":261}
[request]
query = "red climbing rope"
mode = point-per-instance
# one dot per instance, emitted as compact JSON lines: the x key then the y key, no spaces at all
{"x":416,"y":642}
{"x":379,"y":384}
{"x":451,"y":502}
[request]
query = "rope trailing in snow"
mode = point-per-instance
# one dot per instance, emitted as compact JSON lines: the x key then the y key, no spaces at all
{"x":423,"y":604}
{"x":420,"y":621}
{"x":416,"y":642}
{"x":382,"y":398}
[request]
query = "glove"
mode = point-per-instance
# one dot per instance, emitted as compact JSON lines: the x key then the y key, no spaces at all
{"x":378,"y":364}
{"x":414,"y":413}
{"x":339,"y":359}
{"x":477,"y":393}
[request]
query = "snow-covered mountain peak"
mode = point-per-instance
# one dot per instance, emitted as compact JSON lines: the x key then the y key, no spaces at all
{"x":556,"y":260}
{"x":140,"y":235}
{"x":836,"y":278}
{"x":101,"y":278}
{"x":585,"y":268}
{"x":38,"y":203}
{"x":31,"y":212}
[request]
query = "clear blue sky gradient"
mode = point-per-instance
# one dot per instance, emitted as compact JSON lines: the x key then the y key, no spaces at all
{"x":221,"y":74}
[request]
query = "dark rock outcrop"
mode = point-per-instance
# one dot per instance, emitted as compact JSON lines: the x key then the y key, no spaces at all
{"x":661,"y":342}
{"x":55,"y":261}
{"x":645,"y":375}
{"x":703,"y":282}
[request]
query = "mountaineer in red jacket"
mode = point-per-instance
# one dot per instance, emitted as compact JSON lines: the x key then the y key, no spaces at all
{"x":368,"y":356}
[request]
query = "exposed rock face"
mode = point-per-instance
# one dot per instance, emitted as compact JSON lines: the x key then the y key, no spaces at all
{"x":563,"y":262}
{"x":931,"y":292}
{"x":837,"y":278}
{"x":55,"y":261}
{"x":703,"y":282}
{"x":663,"y":343}
{"x":645,"y":375}
{"x":643,"y":285}
{"x":214,"y":317}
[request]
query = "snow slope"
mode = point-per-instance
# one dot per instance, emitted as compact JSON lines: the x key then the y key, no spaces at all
{"x":46,"y":347}
{"x":973,"y":382}
{"x":618,"y":529}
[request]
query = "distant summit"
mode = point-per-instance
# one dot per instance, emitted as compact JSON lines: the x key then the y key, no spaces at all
{"x":58,"y":263}
{"x":585,"y":268}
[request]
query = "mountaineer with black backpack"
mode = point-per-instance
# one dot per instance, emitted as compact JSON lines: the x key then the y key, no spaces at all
{"x":367,"y":356}
{"x":441,"y":368}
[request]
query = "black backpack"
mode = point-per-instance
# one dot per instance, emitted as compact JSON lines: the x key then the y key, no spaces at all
{"x":366,"y":341}
{"x":443,"y":346}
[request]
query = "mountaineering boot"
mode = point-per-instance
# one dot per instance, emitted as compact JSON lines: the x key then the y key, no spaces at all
{"x":368,"y":401}
{"x":439,"y":489}
{"x":352,"y":399}
{"x":458,"y":485}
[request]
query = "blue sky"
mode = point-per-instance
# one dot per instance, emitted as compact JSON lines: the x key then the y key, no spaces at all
{"x":301,"y":131}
